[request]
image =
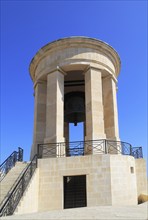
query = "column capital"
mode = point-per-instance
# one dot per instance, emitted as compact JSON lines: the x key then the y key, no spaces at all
{"x":59,"y":69}
{"x":89,"y":67}
{"x":110,"y":76}
{"x":39,"y":82}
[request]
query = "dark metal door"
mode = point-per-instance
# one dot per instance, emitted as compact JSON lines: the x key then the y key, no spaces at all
{"x":74,"y":191}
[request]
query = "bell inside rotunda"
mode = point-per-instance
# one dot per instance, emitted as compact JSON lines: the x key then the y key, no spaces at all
{"x":74,"y":107}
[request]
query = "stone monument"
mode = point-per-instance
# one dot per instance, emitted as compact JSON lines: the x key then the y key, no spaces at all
{"x":75,"y":81}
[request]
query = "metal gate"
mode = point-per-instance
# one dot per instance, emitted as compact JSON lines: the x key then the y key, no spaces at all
{"x":74,"y":191}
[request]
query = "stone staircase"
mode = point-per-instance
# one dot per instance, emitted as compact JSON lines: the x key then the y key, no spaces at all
{"x":10,"y":179}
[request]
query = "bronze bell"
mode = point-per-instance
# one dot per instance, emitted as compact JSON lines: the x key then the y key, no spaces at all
{"x":74,"y":107}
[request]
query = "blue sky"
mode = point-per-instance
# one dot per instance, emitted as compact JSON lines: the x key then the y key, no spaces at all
{"x":26,"y":26}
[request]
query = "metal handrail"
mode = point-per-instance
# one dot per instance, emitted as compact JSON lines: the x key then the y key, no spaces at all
{"x":10,"y":162}
{"x":9,"y":205}
{"x":81,"y":148}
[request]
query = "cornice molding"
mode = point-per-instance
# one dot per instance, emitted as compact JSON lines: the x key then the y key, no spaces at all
{"x":76,"y":42}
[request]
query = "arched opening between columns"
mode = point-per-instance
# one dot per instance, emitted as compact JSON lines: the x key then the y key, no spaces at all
{"x":74,"y":106}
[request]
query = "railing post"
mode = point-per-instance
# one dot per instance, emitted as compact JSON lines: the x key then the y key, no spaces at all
{"x":137,"y":152}
{"x":141,"y":152}
{"x":15,"y":158}
{"x":20,"y":154}
{"x":105,"y":143}
{"x":7,"y":167}
{"x":130,"y":149}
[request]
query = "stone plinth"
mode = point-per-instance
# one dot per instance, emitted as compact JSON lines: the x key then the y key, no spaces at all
{"x":110,"y":180}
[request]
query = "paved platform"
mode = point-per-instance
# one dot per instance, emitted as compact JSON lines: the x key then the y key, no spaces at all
{"x":139,"y":212}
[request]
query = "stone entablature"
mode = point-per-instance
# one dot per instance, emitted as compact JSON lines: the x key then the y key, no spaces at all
{"x":73,"y":52}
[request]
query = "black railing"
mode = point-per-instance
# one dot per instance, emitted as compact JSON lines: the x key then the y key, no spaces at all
{"x":12,"y":199}
{"x":10,"y":162}
{"x":80,"y":148}
{"x":137,"y":152}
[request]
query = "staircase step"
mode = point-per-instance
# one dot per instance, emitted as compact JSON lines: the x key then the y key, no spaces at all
{"x":11,"y":178}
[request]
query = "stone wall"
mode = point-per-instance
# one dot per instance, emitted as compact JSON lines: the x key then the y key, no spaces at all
{"x":110,"y":180}
{"x":141,"y":176}
{"x":123,"y":180}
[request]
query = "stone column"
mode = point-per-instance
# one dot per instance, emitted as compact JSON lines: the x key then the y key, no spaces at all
{"x":40,"y":90}
{"x":66,"y":136}
{"x":94,"y":105}
{"x":111,"y":114}
{"x":55,"y":110}
{"x":84,"y":130}
{"x":110,"y":108}
{"x":66,"y":131}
